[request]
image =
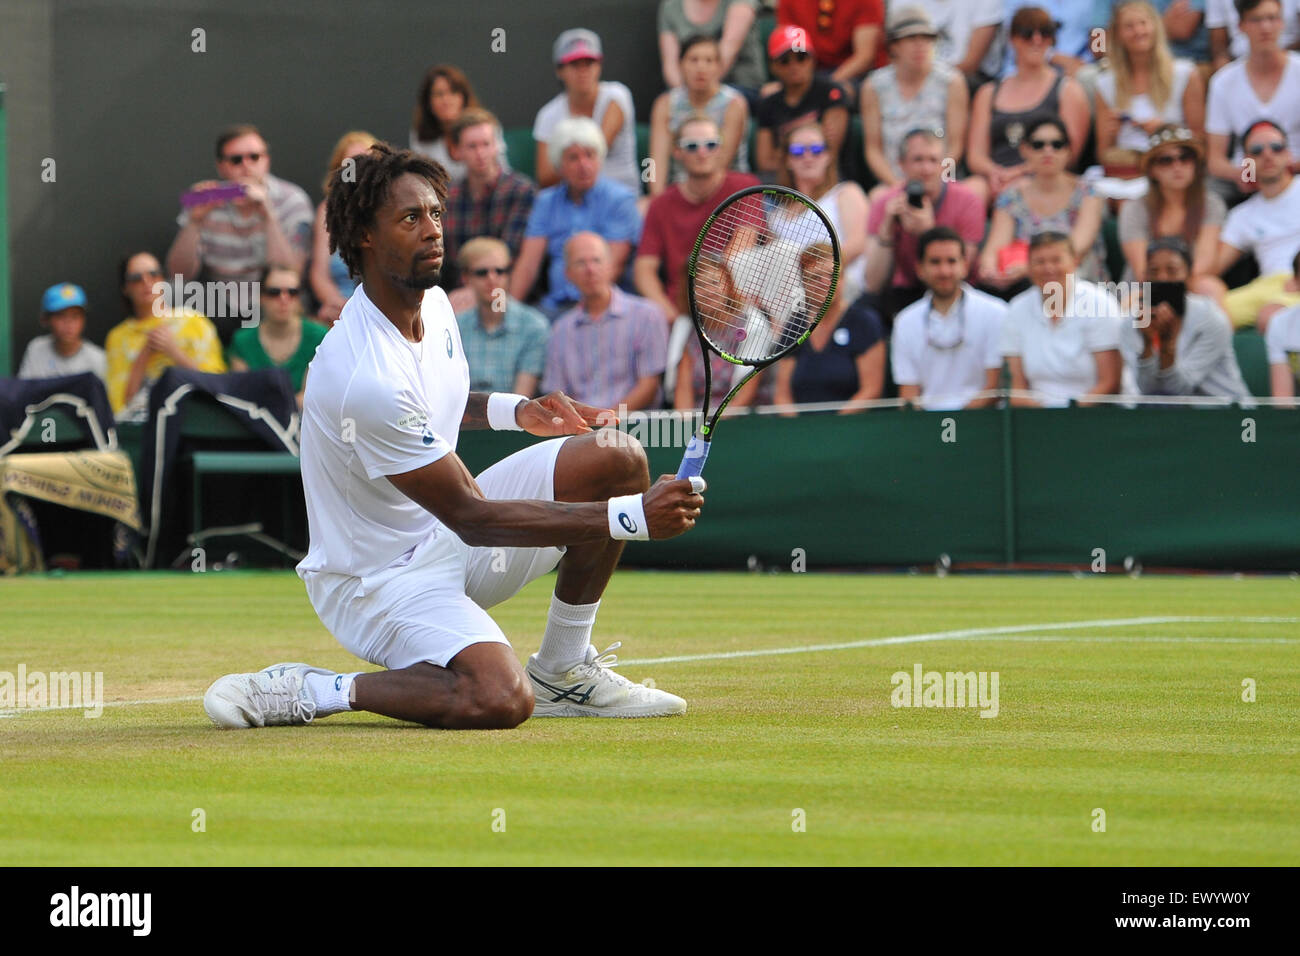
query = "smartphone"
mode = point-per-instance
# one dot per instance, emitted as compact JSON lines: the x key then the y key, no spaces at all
{"x":915,"y":193}
{"x":1175,"y":293}
{"x":225,"y":192}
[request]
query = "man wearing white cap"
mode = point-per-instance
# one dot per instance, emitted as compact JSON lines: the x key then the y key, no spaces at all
{"x":578,"y":57}
{"x":63,"y":351}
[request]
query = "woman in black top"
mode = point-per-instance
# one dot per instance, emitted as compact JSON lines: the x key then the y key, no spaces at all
{"x":1000,"y":110}
{"x":844,"y":358}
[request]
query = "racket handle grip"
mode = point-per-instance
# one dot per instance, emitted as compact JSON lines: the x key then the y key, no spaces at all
{"x":697,"y":453}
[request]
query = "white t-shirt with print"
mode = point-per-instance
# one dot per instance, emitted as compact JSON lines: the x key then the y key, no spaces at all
{"x":377,"y":404}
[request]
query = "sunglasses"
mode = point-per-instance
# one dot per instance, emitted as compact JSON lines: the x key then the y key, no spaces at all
{"x":815,"y":149}
{"x":238,"y":159}
{"x":1168,"y":159}
{"x":1028,"y":33}
{"x":1258,"y":148}
{"x":785,"y":59}
{"x":139,"y":276}
{"x":274,"y":291}
{"x":695,"y":145}
{"x":490,"y":270}
{"x":1038,"y":145}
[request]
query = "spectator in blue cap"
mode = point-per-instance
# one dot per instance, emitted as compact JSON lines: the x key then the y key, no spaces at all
{"x":63,"y":351}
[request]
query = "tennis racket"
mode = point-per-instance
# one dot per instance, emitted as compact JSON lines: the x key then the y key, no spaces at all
{"x":760,"y":277}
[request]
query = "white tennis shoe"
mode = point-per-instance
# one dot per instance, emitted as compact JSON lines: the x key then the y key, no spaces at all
{"x":273,"y":697}
{"x":592,"y":689}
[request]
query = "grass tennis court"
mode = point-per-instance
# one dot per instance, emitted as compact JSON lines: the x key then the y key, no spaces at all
{"x":1115,"y":694}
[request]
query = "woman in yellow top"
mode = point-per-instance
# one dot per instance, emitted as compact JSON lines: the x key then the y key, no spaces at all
{"x":154,"y":338}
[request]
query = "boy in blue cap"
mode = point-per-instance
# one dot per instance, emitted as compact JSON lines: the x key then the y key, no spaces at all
{"x":63,"y":351}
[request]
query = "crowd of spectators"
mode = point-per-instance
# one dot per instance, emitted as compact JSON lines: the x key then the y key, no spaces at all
{"x":985,"y":164}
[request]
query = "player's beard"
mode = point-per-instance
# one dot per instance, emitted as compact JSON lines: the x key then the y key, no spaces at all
{"x":422,"y":281}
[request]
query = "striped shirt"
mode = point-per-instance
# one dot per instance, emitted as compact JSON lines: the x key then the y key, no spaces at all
{"x":495,"y":357}
{"x":232,"y":242}
{"x":599,"y":359}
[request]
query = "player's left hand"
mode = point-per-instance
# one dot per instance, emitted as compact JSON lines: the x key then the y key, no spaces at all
{"x":557,"y":414}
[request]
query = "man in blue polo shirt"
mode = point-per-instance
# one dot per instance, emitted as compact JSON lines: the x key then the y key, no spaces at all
{"x":583,"y":201}
{"x":504,"y":340}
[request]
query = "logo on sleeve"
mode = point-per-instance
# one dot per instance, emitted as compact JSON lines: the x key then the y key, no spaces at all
{"x":427,"y":438}
{"x":413,"y":420}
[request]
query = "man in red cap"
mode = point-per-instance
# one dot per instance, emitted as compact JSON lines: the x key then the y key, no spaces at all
{"x":847,"y":35}
{"x":803,"y":96}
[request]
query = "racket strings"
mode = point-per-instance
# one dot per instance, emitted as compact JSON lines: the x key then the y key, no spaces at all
{"x":762,"y":277}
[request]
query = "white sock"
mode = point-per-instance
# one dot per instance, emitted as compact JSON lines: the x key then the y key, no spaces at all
{"x":568,"y":635}
{"x":330,"y":691}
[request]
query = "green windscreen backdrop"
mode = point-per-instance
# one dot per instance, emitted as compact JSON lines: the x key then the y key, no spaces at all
{"x":1172,"y":487}
{"x":6,"y":316}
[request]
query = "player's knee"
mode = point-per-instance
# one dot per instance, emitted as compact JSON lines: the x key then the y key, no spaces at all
{"x":627,"y":467}
{"x":502,"y":706}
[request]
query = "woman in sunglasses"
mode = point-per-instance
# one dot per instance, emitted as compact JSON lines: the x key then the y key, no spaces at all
{"x":1001,"y":111}
{"x":1047,"y":198}
{"x":281,"y":339}
{"x":701,"y":91}
{"x":810,"y":168}
{"x":1144,"y":88}
{"x":153,"y":337}
{"x":1178,"y":204}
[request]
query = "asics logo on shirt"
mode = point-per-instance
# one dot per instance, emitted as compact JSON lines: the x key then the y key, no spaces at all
{"x":427,"y":437}
{"x":447,"y":333}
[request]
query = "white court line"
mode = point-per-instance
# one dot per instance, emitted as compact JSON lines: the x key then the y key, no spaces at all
{"x":1025,"y":632}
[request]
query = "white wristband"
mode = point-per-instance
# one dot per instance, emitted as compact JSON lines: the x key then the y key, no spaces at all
{"x":627,"y":519}
{"x":501,"y":411}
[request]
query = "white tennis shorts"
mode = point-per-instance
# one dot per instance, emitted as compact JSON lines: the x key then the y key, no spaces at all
{"x":433,"y":606}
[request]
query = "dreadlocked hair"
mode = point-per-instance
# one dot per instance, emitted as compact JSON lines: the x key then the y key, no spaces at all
{"x":359,"y":188}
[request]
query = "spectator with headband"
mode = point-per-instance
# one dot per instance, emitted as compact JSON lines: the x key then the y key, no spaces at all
{"x":1061,"y":336}
{"x":578,"y":58}
{"x":1266,"y":225}
{"x":945,"y":348}
{"x":504,"y":340}
{"x":801,"y":95}
{"x":1181,"y":349}
{"x":898,"y":219}
{"x":1262,"y":84}
{"x":583,"y":200}
{"x":701,"y":91}
{"x":915,"y":91}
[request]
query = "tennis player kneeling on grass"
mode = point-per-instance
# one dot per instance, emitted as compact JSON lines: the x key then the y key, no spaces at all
{"x":407,"y":549}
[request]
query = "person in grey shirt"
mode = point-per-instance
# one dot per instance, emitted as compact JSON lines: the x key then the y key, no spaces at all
{"x":63,"y":351}
{"x":1189,"y":354}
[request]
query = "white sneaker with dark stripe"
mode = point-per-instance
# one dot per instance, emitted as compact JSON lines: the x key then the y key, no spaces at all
{"x":273,"y":697}
{"x":593,"y":689}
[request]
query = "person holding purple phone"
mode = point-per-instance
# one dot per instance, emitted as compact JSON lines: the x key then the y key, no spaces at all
{"x":234,"y":226}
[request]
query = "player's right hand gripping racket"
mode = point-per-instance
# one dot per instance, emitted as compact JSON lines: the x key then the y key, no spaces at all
{"x":761,"y":276}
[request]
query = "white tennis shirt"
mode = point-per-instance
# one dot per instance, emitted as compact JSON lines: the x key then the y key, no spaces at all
{"x":947,"y":355}
{"x":376,"y":405}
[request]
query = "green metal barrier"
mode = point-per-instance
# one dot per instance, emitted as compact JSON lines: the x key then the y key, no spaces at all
{"x":1173,"y":487}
